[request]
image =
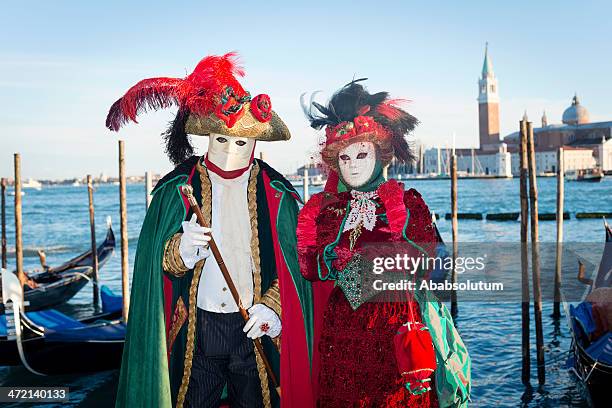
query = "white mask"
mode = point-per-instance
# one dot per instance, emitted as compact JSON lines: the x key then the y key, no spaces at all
{"x":229,"y":152}
{"x":357,"y":162}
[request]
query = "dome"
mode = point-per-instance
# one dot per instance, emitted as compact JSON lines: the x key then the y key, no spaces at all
{"x":575,"y":114}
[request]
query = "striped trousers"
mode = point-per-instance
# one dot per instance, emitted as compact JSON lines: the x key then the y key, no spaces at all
{"x":223,"y":356}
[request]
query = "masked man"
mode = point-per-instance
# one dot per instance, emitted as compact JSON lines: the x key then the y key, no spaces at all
{"x":187,"y":343}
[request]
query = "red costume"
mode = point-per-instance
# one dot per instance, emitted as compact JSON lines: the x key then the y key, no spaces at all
{"x":356,"y":365}
{"x":364,"y":355}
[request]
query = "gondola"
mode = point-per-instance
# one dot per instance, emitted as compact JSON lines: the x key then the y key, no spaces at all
{"x":591,"y":349}
{"x":48,"y":342}
{"x":57,"y":285}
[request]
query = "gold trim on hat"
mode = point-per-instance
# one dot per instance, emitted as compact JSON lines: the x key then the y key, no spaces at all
{"x":247,"y":126}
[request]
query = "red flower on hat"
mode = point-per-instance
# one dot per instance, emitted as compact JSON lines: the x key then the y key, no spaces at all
{"x":230,"y":109}
{"x":261,"y":108}
{"x":359,"y":125}
{"x":364,"y":124}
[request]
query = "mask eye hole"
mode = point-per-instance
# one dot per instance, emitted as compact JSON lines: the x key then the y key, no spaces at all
{"x":344,"y":157}
{"x":240,"y":142}
{"x":221,"y":139}
{"x":362,"y":155}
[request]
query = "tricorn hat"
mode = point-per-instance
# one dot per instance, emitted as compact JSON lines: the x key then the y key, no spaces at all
{"x":209,"y":100}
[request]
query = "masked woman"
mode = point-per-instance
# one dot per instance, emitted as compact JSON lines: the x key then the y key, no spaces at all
{"x":371,"y":349}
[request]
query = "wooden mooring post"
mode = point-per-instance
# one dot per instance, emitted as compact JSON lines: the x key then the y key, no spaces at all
{"x":559,"y":253}
{"x":18,"y":221}
{"x":526,"y":361}
{"x":3,"y":184}
{"x":306,"y":181}
{"x":455,"y":234}
{"x":125,"y":283}
{"x":148,"y":188}
{"x":94,"y":247}
{"x":535,"y":256}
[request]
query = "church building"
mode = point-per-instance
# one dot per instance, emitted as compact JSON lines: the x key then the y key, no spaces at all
{"x":491,"y":158}
{"x":586,"y":145}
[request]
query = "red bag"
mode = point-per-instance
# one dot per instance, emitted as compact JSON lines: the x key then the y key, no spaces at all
{"x":415,"y":356}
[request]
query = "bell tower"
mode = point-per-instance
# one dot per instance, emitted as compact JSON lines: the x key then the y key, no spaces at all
{"x":488,"y":105}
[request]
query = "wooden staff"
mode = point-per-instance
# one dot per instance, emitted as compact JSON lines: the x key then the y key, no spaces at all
{"x":125,"y":282}
{"x":188,"y":191}
{"x":526,"y":361}
{"x":455,"y":226}
{"x":559,"y":253}
{"x":535,"y":256}
{"x":94,"y":247}
{"x":3,"y":186}
{"x":18,"y":221}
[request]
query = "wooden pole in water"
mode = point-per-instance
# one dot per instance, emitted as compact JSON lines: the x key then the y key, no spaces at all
{"x":421,"y":165}
{"x":306,"y":181}
{"x":559,"y":254}
{"x":3,"y":184}
{"x":473,"y":163}
{"x":18,"y":221}
{"x":535,"y":256}
{"x":125,"y":283}
{"x":94,"y":247}
{"x":148,"y":188}
{"x":453,"y":166}
{"x":526,"y":361}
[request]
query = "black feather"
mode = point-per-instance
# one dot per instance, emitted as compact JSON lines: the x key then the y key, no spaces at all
{"x":346,"y":104}
{"x":178,"y":143}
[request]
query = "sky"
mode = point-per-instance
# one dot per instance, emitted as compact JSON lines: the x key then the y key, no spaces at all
{"x":63,"y":64}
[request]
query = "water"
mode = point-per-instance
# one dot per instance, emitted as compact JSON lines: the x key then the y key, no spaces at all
{"x":57,"y":220}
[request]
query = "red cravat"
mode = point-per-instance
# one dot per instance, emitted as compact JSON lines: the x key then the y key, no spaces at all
{"x":231,"y":174}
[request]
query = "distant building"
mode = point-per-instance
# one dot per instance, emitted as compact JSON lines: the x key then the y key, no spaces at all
{"x":488,"y":106}
{"x":313,"y":170}
{"x":586,"y":145}
{"x":469,"y":161}
{"x":574,"y":158}
{"x":491,"y":158}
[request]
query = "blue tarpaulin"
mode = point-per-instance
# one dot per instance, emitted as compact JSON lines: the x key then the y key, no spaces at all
{"x":583,"y":317}
{"x":96,"y":333}
{"x":55,"y":322}
{"x":110,"y":301}
{"x":50,"y":319}
{"x":601,"y":349}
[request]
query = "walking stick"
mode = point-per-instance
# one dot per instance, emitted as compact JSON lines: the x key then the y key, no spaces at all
{"x":188,"y":191}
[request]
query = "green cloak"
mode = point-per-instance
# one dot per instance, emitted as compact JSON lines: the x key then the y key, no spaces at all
{"x":151,"y":373}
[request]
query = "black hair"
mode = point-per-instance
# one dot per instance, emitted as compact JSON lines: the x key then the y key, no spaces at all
{"x":178,"y":143}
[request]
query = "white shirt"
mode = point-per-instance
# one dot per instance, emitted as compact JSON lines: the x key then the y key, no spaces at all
{"x":231,"y":228}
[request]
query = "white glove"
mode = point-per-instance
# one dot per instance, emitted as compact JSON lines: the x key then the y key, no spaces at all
{"x":194,"y":242}
{"x":262,"y":320}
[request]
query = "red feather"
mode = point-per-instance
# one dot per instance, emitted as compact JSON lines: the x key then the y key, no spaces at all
{"x":152,"y":93}
{"x":390,"y":110}
{"x":199,"y":92}
{"x":208,"y":81}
